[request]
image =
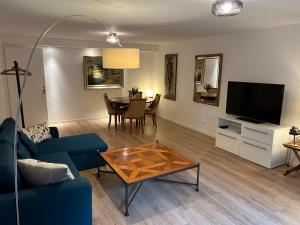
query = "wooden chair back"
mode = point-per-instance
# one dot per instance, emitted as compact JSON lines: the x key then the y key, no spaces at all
{"x":136,"y":108}
{"x":155,"y":103}
{"x":109,"y":107}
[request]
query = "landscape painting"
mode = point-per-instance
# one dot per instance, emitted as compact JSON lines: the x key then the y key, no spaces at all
{"x":170,"y":76}
{"x":96,"y":77}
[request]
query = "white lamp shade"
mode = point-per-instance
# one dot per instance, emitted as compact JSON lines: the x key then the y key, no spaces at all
{"x":121,"y":58}
{"x":149,"y":93}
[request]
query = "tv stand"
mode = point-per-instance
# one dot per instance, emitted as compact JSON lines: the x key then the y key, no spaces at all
{"x":250,"y":120}
{"x":258,"y":143}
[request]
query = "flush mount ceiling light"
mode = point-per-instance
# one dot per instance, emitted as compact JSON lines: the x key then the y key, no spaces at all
{"x":112,"y":38}
{"x":227,"y":7}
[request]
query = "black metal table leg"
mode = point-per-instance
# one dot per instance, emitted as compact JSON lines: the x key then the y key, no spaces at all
{"x":198,"y":173}
{"x":126,"y":200}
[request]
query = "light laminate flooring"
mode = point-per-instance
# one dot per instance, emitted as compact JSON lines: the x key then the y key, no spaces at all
{"x":232,"y":190}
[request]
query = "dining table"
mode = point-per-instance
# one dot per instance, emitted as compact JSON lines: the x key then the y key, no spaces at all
{"x":125,"y":100}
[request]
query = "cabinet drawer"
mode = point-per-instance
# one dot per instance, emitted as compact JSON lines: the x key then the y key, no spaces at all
{"x":257,"y":134}
{"x":256,"y":152}
{"x":227,"y":141}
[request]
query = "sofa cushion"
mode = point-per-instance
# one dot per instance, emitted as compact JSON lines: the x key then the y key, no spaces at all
{"x":7,"y":180}
{"x":1,"y":126}
{"x":60,"y":157}
{"x":54,"y":132}
{"x":6,"y":135}
{"x":7,"y":131}
{"x":29,"y":144}
{"x":74,"y":145}
{"x":23,"y":152}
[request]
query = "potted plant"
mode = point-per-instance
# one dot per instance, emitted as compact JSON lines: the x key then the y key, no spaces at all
{"x":133,"y":92}
{"x":207,"y":87}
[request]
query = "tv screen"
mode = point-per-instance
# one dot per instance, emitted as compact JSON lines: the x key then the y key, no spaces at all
{"x":255,"y":101}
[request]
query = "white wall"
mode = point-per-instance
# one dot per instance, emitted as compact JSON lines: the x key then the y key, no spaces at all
{"x":271,"y":56}
{"x":66,"y":97}
{"x":142,"y":77}
{"x":34,"y":99}
{"x":3,"y":107}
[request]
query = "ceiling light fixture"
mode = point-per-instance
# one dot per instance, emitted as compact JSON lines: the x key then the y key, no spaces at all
{"x":112,"y":38}
{"x":227,"y":7}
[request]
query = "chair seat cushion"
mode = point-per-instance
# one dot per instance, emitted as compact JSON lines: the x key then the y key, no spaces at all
{"x":74,"y":145}
{"x":60,"y":157}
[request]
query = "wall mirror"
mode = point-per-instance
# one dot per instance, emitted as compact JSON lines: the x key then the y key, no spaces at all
{"x":207,"y":82}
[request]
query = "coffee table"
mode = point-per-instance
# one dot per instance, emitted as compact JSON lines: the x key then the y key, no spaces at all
{"x":135,"y":165}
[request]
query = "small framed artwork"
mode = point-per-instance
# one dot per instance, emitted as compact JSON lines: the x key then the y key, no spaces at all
{"x":170,"y":76}
{"x":96,"y":77}
{"x":199,"y":70}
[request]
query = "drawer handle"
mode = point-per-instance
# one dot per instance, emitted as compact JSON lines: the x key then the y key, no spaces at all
{"x":256,"y":146}
{"x":227,"y":136}
{"x":258,"y":131}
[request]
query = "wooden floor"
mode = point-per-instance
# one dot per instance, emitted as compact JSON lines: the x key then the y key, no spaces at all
{"x":232,"y":190}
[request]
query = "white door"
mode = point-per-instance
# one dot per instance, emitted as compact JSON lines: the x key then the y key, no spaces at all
{"x":34,"y":100}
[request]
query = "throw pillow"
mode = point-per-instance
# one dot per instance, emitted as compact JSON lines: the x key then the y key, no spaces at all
{"x":37,"y":133}
{"x":29,"y":144}
{"x":38,"y":173}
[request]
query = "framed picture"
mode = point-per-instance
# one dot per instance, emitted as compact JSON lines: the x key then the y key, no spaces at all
{"x":96,"y":77}
{"x":170,"y":76}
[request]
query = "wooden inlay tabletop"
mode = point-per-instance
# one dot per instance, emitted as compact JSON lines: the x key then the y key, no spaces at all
{"x":142,"y":162}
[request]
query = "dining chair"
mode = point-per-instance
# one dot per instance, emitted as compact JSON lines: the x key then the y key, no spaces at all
{"x":112,"y":111}
{"x":137,"y":95}
{"x":136,"y":110}
{"x":152,"y":109}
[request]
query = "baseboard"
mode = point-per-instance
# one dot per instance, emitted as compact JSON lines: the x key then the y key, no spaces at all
{"x":189,"y":127}
{"x":77,"y":119}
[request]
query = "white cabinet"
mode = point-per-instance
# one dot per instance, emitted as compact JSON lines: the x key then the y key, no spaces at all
{"x":257,"y":133}
{"x":256,"y":152}
{"x":228,"y":141}
{"x":259,"y":143}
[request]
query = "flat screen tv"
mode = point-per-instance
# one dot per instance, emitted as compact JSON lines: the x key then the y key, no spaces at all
{"x":255,"y":102}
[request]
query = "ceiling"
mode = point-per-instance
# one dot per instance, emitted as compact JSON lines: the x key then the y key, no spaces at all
{"x":142,"y":21}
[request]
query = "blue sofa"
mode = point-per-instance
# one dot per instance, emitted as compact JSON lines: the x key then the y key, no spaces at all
{"x":66,"y":203}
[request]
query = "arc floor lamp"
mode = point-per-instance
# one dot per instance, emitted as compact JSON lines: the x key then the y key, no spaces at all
{"x":113,"y":58}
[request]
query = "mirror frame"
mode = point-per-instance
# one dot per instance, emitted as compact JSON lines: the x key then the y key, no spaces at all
{"x":216,"y":103}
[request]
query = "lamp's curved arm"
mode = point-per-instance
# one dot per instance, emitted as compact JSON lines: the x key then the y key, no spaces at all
{"x":21,"y":97}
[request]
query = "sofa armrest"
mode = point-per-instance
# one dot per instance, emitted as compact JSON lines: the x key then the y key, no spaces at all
{"x":67,"y":203}
{"x":54,"y":132}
